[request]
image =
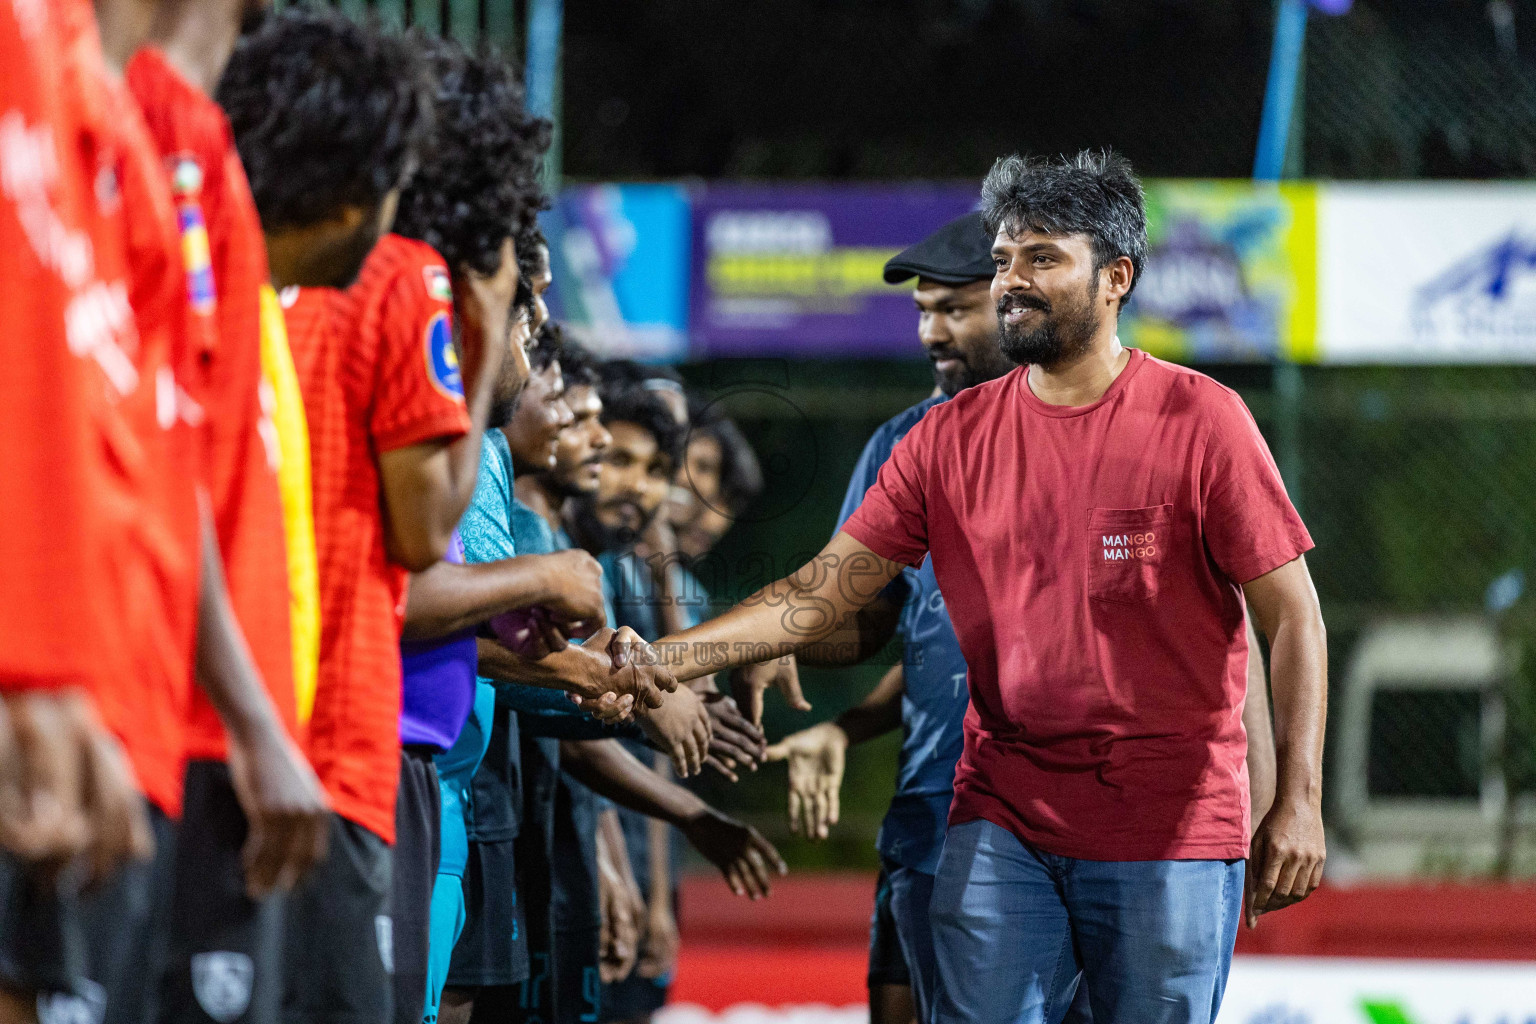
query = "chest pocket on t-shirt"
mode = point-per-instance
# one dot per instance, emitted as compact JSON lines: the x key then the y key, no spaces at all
{"x":1125,"y":552}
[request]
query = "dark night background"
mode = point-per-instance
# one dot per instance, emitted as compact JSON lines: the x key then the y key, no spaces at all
{"x":884,"y":89}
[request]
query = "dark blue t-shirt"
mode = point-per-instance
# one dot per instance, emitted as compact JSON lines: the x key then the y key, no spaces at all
{"x":631,"y":591}
{"x":933,"y":708}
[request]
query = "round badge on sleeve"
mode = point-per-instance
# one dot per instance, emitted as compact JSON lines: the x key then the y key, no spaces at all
{"x":443,"y":358}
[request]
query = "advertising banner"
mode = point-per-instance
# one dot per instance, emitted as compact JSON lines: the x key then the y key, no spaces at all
{"x":796,"y":270}
{"x":1230,"y":272}
{"x":1236,"y":270}
{"x":1441,"y":273}
{"x":1260,"y":990}
{"x":620,"y":256}
{"x":1295,"y":990}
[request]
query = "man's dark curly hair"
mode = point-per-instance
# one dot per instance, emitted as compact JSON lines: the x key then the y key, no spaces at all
{"x":577,"y":366}
{"x":532,"y":255}
{"x":327,"y":113}
{"x":548,"y":346}
{"x":1093,"y":193}
{"x":479,"y":178}
{"x":627,"y":400}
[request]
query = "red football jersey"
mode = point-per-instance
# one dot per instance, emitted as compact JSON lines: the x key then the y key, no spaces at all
{"x":68,"y":332}
{"x":379,"y":372}
{"x":155,"y":562}
{"x":225,"y":260}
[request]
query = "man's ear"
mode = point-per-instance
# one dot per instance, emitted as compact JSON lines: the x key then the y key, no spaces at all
{"x":349,"y":218}
{"x":1118,"y":277}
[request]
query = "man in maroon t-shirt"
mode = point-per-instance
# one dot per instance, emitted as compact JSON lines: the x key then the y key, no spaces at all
{"x":1096,"y":519}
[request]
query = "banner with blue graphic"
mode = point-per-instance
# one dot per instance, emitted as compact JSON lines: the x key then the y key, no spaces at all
{"x":620,"y":256}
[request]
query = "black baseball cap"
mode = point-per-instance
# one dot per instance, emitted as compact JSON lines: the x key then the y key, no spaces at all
{"x":958,"y":253}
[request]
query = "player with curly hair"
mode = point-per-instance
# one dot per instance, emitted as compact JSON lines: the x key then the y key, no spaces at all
{"x":479,"y":182}
{"x":473,"y":199}
{"x":331,"y":118}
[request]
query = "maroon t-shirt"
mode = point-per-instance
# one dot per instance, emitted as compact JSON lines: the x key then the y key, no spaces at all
{"x":1091,"y":558}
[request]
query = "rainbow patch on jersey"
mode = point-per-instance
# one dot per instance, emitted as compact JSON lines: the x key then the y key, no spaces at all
{"x":187,"y":186}
{"x":443,"y":358}
{"x":439,"y":285}
{"x":197,"y":258}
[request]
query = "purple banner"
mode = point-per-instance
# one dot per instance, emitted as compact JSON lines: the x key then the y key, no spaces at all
{"x":796,"y":270}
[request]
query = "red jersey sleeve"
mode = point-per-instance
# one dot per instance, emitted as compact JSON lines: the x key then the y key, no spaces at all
{"x":49,"y":543}
{"x":1249,"y":523}
{"x":419,"y":390}
{"x":893,"y":520}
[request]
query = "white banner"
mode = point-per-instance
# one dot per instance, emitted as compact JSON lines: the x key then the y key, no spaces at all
{"x":1441,"y":273}
{"x":1295,"y":990}
{"x":1279,"y":990}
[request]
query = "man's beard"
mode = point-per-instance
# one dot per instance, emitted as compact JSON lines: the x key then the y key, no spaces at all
{"x":598,"y":534}
{"x":975,"y":368}
{"x":565,"y":485}
{"x":1060,"y":337}
{"x":504,"y":398}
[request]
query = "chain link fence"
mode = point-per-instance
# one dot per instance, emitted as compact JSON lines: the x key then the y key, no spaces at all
{"x":1421,"y":89}
{"x":496,"y":22}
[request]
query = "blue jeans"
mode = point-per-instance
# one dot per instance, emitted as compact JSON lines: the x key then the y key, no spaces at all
{"x":1015,"y":929}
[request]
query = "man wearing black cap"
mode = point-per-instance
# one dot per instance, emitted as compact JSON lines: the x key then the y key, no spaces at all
{"x":926,"y":695}
{"x":957,"y":321}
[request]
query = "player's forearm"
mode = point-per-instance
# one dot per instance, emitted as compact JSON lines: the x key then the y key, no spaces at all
{"x":661,"y":858}
{"x":463,"y":469}
{"x":1298,"y":656}
{"x":431,"y":505}
{"x":226,"y":672}
{"x":575,"y":669}
{"x":608,"y":769}
{"x":856,"y":639}
{"x":612,"y":854}
{"x":803,"y":608}
{"x":447,"y":597}
{"x":878,"y":713}
{"x":1260,"y":731}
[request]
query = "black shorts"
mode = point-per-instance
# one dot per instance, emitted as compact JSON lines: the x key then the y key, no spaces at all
{"x":577,"y":980}
{"x":493,"y":947}
{"x":224,"y":953}
{"x":126,"y":922}
{"x":42,"y":948}
{"x":418,"y":831}
{"x":887,"y":965}
{"x":339,"y":936}
{"x":563,"y":986}
{"x":96,"y":957}
{"x":535,"y":878}
{"x":634,"y":997}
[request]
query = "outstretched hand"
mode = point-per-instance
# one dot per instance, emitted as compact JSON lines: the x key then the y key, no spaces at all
{"x":816,"y":761}
{"x":745,"y":858}
{"x":680,"y":728}
{"x":750,"y":681}
{"x":734,"y":741}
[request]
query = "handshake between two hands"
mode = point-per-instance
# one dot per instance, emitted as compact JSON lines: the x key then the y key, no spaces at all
{"x":616,"y":676}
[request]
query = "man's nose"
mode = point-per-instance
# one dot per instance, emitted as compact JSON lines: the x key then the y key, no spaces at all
{"x":1010,"y":281}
